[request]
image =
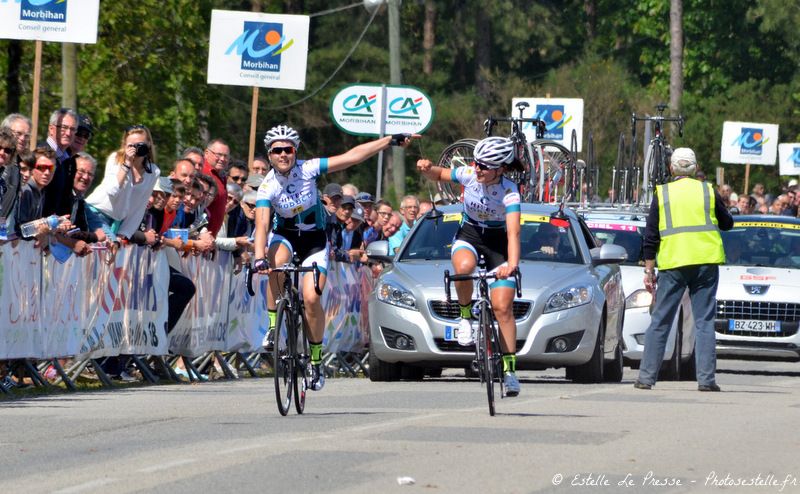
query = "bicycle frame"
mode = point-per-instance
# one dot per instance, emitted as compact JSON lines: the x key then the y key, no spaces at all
{"x":290,"y":361}
{"x":487,"y":344}
{"x":656,"y":170}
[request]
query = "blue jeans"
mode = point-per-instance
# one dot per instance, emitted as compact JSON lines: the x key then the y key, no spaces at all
{"x":701,"y":280}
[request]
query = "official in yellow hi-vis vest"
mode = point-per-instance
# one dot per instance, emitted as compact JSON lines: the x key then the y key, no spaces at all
{"x":682,"y":234}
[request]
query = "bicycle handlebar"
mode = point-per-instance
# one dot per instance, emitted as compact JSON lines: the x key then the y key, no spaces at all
{"x":481,"y":275}
{"x":490,"y":122}
{"x":658,"y":118}
{"x":286,"y":268}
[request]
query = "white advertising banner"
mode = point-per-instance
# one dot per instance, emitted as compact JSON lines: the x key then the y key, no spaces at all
{"x":255,"y":49}
{"x":789,"y":158}
{"x":357,"y":109}
{"x":70,"y":21}
{"x":749,"y":143}
{"x":84,"y":306}
{"x":560,"y":115}
{"x":88,"y":308}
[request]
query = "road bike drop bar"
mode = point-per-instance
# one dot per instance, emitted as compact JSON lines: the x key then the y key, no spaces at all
{"x":250,"y":272}
{"x":448,"y":278}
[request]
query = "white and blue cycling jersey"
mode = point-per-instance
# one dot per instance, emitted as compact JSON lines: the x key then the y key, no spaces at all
{"x":486,"y":205}
{"x":293,"y":198}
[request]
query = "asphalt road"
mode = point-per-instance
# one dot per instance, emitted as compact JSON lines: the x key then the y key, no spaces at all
{"x":361,"y":437}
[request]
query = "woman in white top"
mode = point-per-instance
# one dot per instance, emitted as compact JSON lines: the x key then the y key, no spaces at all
{"x":117,"y":205}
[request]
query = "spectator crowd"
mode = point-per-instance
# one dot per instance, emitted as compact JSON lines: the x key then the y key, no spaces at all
{"x":204,"y":202}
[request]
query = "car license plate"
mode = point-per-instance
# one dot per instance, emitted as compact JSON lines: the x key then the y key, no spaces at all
{"x":753,"y":325}
{"x":451,"y":333}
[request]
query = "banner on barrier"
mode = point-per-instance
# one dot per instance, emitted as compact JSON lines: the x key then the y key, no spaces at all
{"x":86,"y":307}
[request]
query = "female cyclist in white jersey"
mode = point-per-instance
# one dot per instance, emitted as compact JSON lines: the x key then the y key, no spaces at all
{"x":290,"y":218}
{"x":490,"y":227}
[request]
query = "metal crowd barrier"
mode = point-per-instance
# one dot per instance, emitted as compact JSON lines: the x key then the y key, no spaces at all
{"x":85,"y":309}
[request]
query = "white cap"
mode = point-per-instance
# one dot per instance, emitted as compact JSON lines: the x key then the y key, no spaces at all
{"x":683,"y":158}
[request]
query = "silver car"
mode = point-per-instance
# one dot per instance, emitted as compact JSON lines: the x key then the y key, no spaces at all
{"x":626,"y":229}
{"x":570,"y":314}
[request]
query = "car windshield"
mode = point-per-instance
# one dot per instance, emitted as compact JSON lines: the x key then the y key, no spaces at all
{"x":762,"y":243}
{"x":539,"y":240}
{"x":626,"y":235}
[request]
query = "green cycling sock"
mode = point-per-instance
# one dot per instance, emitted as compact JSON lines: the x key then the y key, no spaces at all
{"x":466,"y":311}
{"x":273,"y":316}
{"x":509,"y":363}
{"x":316,"y":352}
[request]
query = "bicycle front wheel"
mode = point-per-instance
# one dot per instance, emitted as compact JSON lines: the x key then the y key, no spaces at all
{"x":302,"y":365}
{"x":487,"y":356}
{"x":282,"y":358}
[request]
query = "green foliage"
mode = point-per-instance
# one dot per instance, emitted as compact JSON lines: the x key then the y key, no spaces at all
{"x":149,"y":66}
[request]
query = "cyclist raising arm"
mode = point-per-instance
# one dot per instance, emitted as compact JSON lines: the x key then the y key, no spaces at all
{"x":289,"y":192}
{"x":490,"y":227}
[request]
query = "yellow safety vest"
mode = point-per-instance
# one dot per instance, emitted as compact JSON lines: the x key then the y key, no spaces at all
{"x":687,"y":224}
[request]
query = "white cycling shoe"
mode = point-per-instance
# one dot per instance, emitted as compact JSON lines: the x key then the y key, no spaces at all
{"x":465,"y":336}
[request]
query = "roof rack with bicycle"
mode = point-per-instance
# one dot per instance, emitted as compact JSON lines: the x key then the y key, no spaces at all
{"x":549,"y":172}
{"x":632,"y":183}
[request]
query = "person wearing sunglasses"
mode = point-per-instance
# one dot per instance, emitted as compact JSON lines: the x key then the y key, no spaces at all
{"x":117,"y":205}
{"x":490,"y":228}
{"x":289,"y":192}
{"x":31,"y":197}
{"x":10,"y":178}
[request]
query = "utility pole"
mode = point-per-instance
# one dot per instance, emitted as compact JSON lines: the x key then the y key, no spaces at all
{"x":398,"y":153}
{"x":69,"y":75}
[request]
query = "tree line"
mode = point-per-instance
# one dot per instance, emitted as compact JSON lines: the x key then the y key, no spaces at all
{"x":740,"y":61}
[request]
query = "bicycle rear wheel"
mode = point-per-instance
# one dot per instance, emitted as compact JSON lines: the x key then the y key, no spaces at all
{"x":487,"y":356}
{"x":283,"y":362}
{"x":460,"y":153}
{"x":550,"y":159}
{"x":525,"y":178}
{"x":302,"y":366}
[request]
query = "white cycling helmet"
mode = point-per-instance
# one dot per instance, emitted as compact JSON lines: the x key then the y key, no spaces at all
{"x":281,"y":133}
{"x":494,"y":152}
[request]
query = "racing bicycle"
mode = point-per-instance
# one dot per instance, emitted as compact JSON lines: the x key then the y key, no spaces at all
{"x":291,"y":355}
{"x":656,"y":170}
{"x":488,"y":355}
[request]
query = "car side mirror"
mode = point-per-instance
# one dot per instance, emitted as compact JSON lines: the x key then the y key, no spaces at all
{"x":379,"y":251}
{"x":609,"y":254}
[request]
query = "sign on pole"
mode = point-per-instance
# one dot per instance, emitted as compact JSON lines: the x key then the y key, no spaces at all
{"x":256,"y":49}
{"x":560,"y":115}
{"x":749,"y":143}
{"x":356,"y":109}
{"x":66,"y":21}
{"x":789,"y":158}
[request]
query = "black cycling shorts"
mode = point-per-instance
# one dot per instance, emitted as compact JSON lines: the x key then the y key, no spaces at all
{"x":491,"y":243}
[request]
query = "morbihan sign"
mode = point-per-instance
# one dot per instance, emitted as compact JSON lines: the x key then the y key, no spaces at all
{"x":255,"y":49}
{"x":560,"y":115}
{"x":789,"y":158}
{"x":749,"y":143}
{"x":65,"y":21}
{"x":359,"y":109}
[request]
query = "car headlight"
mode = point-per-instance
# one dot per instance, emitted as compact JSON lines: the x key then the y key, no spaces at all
{"x":569,"y":298}
{"x":639,"y":298}
{"x":396,"y":295}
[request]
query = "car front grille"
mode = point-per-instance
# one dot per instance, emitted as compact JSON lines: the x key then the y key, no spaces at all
{"x":453,"y":346}
{"x":787,"y":313}
{"x":452,"y":311}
